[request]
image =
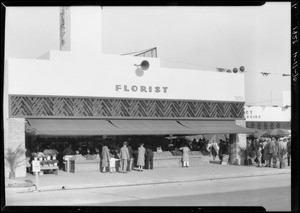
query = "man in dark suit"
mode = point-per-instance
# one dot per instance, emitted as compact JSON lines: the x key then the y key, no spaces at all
{"x":288,"y":147}
{"x":149,"y":157}
{"x":273,"y":152}
{"x":124,"y":157}
{"x":130,"y":161}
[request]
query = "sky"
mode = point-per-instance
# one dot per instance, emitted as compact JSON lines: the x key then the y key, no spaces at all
{"x":202,"y":38}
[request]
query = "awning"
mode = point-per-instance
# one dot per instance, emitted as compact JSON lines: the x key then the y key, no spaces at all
{"x":215,"y":127}
{"x":71,"y":127}
{"x":149,"y":127}
{"x":132,"y":127}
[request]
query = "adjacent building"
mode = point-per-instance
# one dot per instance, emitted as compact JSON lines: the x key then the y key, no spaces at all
{"x":270,"y":117}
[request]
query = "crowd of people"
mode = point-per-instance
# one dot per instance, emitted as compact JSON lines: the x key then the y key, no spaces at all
{"x":112,"y":157}
{"x":193,"y":145}
{"x":124,"y":159}
{"x":112,"y":152}
{"x":219,"y":150}
{"x":269,"y":151}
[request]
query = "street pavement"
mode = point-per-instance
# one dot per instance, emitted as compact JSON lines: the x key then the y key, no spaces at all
{"x":271,"y":199}
{"x":272,"y":192}
{"x":96,"y":179}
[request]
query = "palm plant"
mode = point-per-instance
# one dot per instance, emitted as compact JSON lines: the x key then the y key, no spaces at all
{"x":13,"y":159}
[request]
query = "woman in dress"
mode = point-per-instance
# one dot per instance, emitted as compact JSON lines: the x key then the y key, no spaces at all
{"x":267,"y":156}
{"x":214,"y":149}
{"x":105,"y":157}
{"x":141,"y":157}
{"x":185,"y":155}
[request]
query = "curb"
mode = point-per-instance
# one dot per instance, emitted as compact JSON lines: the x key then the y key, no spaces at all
{"x":157,"y":181}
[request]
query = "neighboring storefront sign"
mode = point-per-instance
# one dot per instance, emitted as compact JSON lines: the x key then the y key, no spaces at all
{"x":259,"y":113}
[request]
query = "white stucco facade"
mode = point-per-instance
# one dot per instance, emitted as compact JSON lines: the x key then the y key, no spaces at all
{"x":81,"y":70}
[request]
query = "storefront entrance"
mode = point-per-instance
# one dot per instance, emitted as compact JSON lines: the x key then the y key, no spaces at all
{"x":87,"y":136}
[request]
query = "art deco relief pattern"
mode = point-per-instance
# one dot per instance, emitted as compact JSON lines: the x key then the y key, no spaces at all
{"x":268,"y":125}
{"x":39,"y":106}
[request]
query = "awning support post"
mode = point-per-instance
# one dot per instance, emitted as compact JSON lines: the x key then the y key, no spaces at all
{"x":237,"y":155}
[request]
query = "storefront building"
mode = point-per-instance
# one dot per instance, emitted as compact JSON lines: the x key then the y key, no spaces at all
{"x":270,"y":117}
{"x":80,"y":91}
{"x":264,"y":118}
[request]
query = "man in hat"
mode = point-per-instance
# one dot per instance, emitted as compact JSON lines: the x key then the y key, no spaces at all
{"x":274,"y":151}
{"x":288,"y":147}
{"x":281,"y":151}
{"x":124,"y":157}
{"x":149,"y":157}
{"x":130,"y":161}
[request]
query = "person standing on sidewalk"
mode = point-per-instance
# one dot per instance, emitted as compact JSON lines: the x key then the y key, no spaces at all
{"x":221,"y":149}
{"x":112,"y":163}
{"x":124,"y":157}
{"x":214,"y":149}
{"x":273,"y":152}
{"x":68,"y":150}
{"x":105,"y":157}
{"x":130,"y":161}
{"x":263,"y":144}
{"x":185,"y":155}
{"x":288,"y":147}
{"x":282,"y":151}
{"x":259,"y":154}
{"x":267,"y":156}
{"x":141,"y":157}
{"x":149,"y":157}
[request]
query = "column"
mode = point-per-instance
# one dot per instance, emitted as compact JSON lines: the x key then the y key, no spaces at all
{"x":15,"y":136}
{"x":80,"y":29}
{"x":238,"y":144}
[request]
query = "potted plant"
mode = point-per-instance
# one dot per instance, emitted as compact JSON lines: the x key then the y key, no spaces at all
{"x":54,"y":154}
{"x":55,"y":162}
{"x":40,"y":156}
{"x":34,"y":155}
{"x":48,"y":154}
{"x":13,"y":159}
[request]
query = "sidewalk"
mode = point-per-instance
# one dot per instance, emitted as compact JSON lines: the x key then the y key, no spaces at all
{"x":156,"y":176}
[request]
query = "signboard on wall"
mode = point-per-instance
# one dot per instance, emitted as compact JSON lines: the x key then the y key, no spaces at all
{"x":120,"y":77}
{"x":260,"y":113}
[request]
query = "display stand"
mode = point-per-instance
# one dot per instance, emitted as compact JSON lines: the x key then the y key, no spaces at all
{"x":53,"y":168}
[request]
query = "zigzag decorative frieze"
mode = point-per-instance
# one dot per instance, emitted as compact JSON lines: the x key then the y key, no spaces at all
{"x":268,"y":125}
{"x":26,"y":106}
